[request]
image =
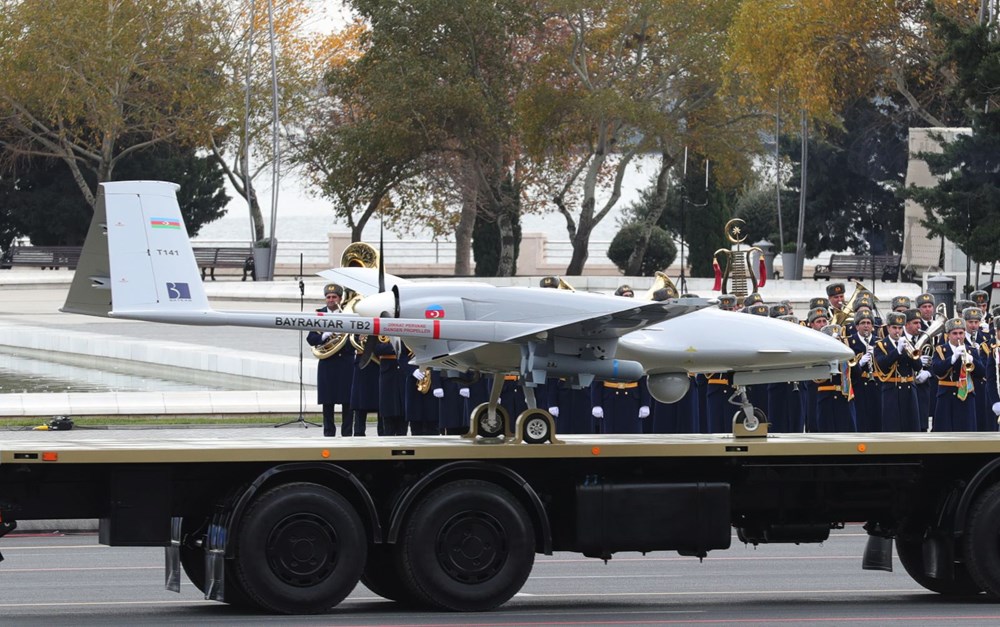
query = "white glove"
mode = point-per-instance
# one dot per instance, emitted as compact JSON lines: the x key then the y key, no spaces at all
{"x":597,"y":412}
{"x":996,"y":408}
{"x":463,"y":392}
{"x":644,"y":411}
{"x":925,"y":359}
{"x":922,"y":376}
{"x":554,"y":411}
{"x":419,"y":375}
{"x":901,"y":345}
{"x":957,"y":352}
{"x":438,"y":392}
{"x":326,"y":336}
{"x":865,"y":359}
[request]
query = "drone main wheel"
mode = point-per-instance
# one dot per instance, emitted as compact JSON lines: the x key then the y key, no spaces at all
{"x":751,"y":423}
{"x":490,"y":427}
{"x":536,"y":425}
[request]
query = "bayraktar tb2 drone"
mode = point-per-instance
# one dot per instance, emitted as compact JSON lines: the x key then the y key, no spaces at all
{"x":137,"y":263}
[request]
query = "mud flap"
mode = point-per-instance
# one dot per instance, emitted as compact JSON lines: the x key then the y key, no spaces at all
{"x":6,"y":527}
{"x":172,"y":557}
{"x":215,"y":559}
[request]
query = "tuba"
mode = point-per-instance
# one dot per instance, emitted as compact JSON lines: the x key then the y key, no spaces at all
{"x":357,"y":255}
{"x":845,"y":315}
{"x":661,"y":281}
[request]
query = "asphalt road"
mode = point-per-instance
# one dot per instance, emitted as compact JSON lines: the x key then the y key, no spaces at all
{"x":72,"y":580}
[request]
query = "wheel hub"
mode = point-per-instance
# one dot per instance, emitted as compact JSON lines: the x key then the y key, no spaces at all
{"x":472,"y":547}
{"x":302,"y":550}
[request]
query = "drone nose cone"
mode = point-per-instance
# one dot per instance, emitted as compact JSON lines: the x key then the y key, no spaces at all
{"x":376,"y":305}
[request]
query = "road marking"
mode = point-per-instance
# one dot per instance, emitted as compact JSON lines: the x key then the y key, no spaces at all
{"x":72,"y":569}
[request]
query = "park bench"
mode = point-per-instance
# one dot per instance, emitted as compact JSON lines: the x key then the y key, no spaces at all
{"x":43,"y":257}
{"x":211,"y":257}
{"x":859,"y":267}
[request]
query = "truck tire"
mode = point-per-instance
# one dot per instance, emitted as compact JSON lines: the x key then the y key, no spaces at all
{"x":911,"y":555}
{"x":301,"y":548}
{"x":982,"y":541}
{"x":469,"y":546}
{"x":383,"y":577}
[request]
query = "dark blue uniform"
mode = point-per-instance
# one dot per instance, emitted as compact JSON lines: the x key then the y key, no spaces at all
{"x":867,"y":392}
{"x":784,"y":408}
{"x":620,"y":403}
{"x":895,"y":371}
{"x":679,"y":417}
{"x":985,"y":418}
{"x":719,"y":413}
{"x":421,"y":410}
{"x":834,"y":407}
{"x":391,"y":412}
{"x":364,"y":392}
{"x":573,"y":405}
{"x":951,"y":412}
{"x":333,"y":384}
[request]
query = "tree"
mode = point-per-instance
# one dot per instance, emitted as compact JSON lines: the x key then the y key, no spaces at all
{"x":40,"y":197}
{"x":642,"y":77}
{"x":242,"y":137}
{"x":965,"y":205}
{"x":662,"y":250}
{"x":427,"y":108}
{"x":78,"y":79}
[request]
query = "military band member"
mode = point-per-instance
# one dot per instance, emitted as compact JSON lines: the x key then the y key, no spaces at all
{"x":867,"y":394}
{"x":626,"y":291}
{"x":549,"y":282}
{"x":834,"y":409}
{"x":679,"y":417}
{"x":924,"y":383}
{"x":776,"y":311}
{"x":391,"y":411}
{"x":753,"y":299}
{"x":954,"y":365}
{"x":817,"y":319}
{"x":454,"y":404}
{"x":727,"y":302}
{"x":836,"y":293}
{"x":784,"y":407}
{"x":364,"y":390}
{"x":334,"y":373}
{"x":992,"y":383}
{"x":978,"y":342}
{"x":895,"y":368}
{"x":420,"y":405}
{"x":981,"y":298}
{"x":570,"y":408}
{"x":623,"y":407}
{"x":925,"y":305}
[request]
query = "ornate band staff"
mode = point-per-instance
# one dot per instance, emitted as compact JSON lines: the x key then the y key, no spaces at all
{"x":738,"y":266}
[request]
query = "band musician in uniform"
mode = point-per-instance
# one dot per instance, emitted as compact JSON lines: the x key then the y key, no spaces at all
{"x":895,"y":367}
{"x":334,"y":371}
{"x":954,"y":365}
{"x":867,"y":395}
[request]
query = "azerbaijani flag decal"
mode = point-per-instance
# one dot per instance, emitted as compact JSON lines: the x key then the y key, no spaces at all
{"x":164,"y":223}
{"x":434,"y":311}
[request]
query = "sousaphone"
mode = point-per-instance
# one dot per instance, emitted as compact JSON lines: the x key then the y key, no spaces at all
{"x":356,"y":255}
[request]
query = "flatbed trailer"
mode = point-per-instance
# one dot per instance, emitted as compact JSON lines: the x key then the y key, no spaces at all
{"x":291,"y":525}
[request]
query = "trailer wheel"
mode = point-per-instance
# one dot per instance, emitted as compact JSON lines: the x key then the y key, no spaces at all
{"x":469,"y":546}
{"x":490,"y":428}
{"x":911,"y":555}
{"x":982,"y":541}
{"x":301,"y":548}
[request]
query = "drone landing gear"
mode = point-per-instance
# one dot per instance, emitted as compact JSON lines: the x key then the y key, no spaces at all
{"x":748,"y":421}
{"x":490,"y":420}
